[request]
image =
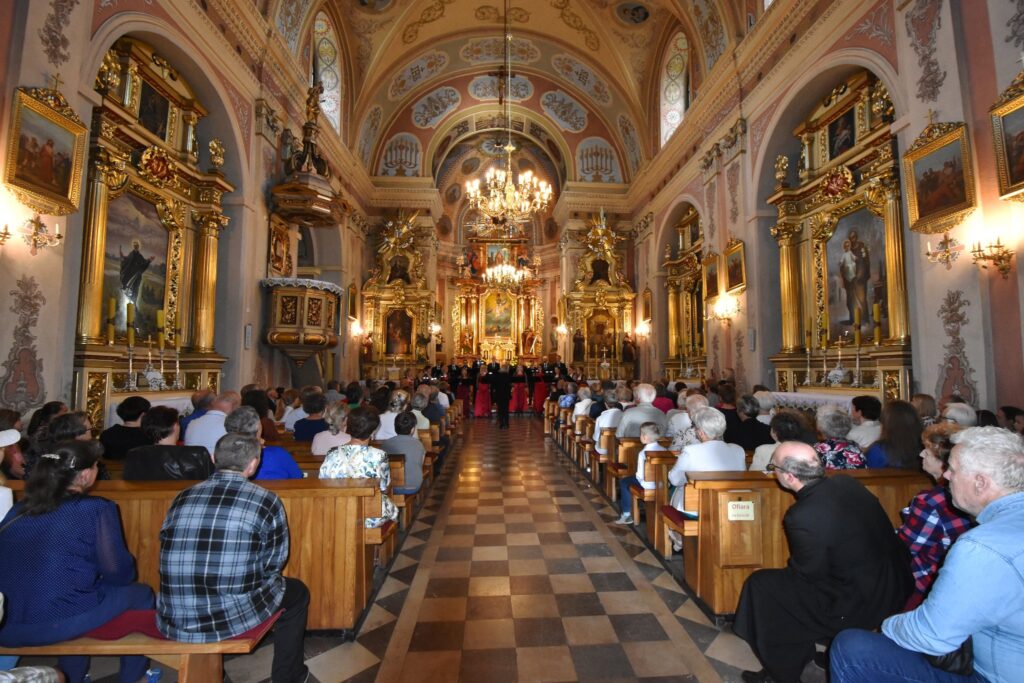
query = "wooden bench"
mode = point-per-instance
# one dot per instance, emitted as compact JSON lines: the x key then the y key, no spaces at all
{"x":329,"y":550}
{"x":739,"y":525}
{"x":194,"y":662}
{"x":623,"y":464}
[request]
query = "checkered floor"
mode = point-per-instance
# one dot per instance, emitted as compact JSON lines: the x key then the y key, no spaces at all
{"x":513,"y":571}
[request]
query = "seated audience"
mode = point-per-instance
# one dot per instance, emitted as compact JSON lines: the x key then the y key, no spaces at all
{"x":865,"y":411}
{"x":979,"y":590}
{"x":900,"y":442}
{"x":727,"y":404}
{"x":164,"y":458}
{"x":985,"y":418}
{"x":275,"y":462}
{"x":583,"y":403}
{"x":405,"y":442}
{"x":258,"y":400}
{"x":601,"y":399}
{"x":6,"y":495}
{"x":12,"y":454}
{"x":749,"y":432}
{"x":680,"y":426}
{"x":74,"y":426}
{"x":961,"y":414}
{"x":786,"y":425}
{"x":662,"y":401}
{"x":379,"y":398}
{"x":766,"y":400}
{"x":119,"y":439}
{"x":398,"y":402}
{"x":43,"y":415}
{"x":417,"y":404}
{"x":1005,"y":416}
{"x":335,"y":416}
{"x":79,"y":574}
{"x":609,"y":418}
{"x":333,"y":393}
{"x":642,"y":412}
{"x":354,"y":395}
{"x":846,"y":568}
{"x":930,"y":522}
{"x":926,"y":408}
{"x":307,"y":427}
{"x":835,"y":450}
{"x":358,"y":460}
{"x":650,"y":432}
{"x":712,"y":454}
{"x":207,"y":430}
{"x":201,"y":402}
{"x":223,"y":547}
{"x":568,"y":399}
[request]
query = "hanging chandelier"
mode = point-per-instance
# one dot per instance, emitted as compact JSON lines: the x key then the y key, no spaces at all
{"x":504,"y":276}
{"x":502,"y":200}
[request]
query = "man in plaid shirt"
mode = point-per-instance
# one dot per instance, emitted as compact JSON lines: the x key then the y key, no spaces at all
{"x":223,"y":546}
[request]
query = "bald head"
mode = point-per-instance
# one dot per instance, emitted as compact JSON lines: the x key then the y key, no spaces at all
{"x":797,"y":464}
{"x":227,"y":401}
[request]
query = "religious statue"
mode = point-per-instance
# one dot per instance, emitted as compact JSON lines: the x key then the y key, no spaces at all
{"x":216,"y":153}
{"x":466,"y":341}
{"x":530,"y":340}
{"x":366,"y":350}
{"x":628,"y":349}
{"x":313,"y":101}
{"x":578,"y":347}
{"x":781,"y":169}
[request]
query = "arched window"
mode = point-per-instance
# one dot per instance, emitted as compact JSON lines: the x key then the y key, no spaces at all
{"x":674,"y":85}
{"x":327,"y":68}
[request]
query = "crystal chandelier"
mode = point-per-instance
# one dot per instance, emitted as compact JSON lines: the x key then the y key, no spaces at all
{"x":502,"y":200}
{"x":504,"y":276}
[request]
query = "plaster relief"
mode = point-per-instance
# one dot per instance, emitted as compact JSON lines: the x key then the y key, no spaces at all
{"x":21,"y":387}
{"x":923,"y":21}
{"x":956,"y":376}
{"x":55,"y":43}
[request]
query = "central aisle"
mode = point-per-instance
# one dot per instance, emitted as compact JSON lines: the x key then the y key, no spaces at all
{"x":513,"y":571}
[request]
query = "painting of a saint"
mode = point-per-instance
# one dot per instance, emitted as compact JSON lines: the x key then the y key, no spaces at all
{"x":939,"y":179}
{"x":498,"y":255}
{"x":45,"y":152}
{"x":497,"y":315}
{"x":398,"y":340}
{"x":135,"y":261}
{"x":153,"y":110}
{"x":856,"y":258}
{"x":399,"y":270}
{"x":1013,"y":140}
{"x":711,"y":279}
{"x":841,"y":134}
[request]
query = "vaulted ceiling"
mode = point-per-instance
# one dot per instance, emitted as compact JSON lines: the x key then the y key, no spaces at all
{"x":587,"y":68}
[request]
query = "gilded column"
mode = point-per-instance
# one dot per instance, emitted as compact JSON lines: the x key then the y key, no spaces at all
{"x":788,"y":237}
{"x":673,"y":320}
{"x":895,"y":268}
{"x":205,"y":289}
{"x":105,"y":174}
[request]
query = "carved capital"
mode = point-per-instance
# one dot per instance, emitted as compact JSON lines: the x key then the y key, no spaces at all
{"x":786,"y":233}
{"x":210,"y":223}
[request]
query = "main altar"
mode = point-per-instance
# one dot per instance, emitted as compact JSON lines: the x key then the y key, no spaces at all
{"x":497,"y":315}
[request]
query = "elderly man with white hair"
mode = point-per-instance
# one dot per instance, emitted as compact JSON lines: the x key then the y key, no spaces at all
{"x":766,"y":401}
{"x":979,"y":592}
{"x":642,"y":412}
{"x":583,"y":401}
{"x":961,"y":414}
{"x":680,"y":425}
{"x":609,"y":417}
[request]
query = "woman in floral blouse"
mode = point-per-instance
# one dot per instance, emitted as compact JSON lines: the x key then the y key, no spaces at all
{"x":835,"y":451}
{"x":930,"y":522}
{"x":358,"y":460}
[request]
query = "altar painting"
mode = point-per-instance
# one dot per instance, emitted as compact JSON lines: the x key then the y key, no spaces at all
{"x":497,"y":315}
{"x":499,"y":255}
{"x":135,"y":262}
{"x":600,"y":335}
{"x":398,"y":333}
{"x":855,"y":255}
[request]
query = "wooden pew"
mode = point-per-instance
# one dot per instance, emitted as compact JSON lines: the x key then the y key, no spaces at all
{"x":657,"y":463}
{"x":608,"y":443}
{"x":547,"y":416}
{"x":325,"y":524}
{"x":622,"y":466}
{"x":579,"y":433}
{"x":565,"y":428}
{"x":739,"y":527}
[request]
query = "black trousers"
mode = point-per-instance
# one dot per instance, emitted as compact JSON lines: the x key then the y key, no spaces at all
{"x":289,"y":632}
{"x":503,"y":413}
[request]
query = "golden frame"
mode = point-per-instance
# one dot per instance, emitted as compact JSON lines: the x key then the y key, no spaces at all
{"x":353,"y":301}
{"x":48,"y":108}
{"x":732,"y":249}
{"x":711,"y":270}
{"x":938,"y":139}
{"x":647,"y":301}
{"x":1010,"y":104}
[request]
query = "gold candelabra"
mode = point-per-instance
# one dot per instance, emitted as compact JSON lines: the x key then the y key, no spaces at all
{"x":997,"y":254}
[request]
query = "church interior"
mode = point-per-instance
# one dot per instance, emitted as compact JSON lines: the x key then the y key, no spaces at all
{"x":819,"y":198}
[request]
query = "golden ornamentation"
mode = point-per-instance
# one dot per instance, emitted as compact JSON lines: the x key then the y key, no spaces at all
{"x":314,"y":312}
{"x":836,"y":184}
{"x":781,"y":169}
{"x":1010,"y":102}
{"x":96,"y":397}
{"x":109,"y":76}
{"x":313,"y":95}
{"x":193,"y":380}
{"x":782,"y":380}
{"x":881,"y":103}
{"x":156,"y":167}
{"x":289,"y":314}
{"x":891,"y":384}
{"x":430,"y":14}
{"x":216,"y":153}
{"x":934,"y":137}
{"x":213,"y":382}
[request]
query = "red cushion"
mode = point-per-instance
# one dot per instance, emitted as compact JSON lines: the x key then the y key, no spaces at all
{"x":673,"y":515}
{"x":144,"y":621}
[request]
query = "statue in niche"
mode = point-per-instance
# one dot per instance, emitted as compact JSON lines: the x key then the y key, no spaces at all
{"x":578,"y":347}
{"x":628,"y":349}
{"x":600,"y":271}
{"x":399,"y":270}
{"x":466,"y":341}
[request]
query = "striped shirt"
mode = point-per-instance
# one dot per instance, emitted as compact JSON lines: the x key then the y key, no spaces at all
{"x":223,"y":545}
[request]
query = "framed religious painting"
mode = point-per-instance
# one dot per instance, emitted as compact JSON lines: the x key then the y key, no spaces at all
{"x":647,"y":310}
{"x":939,"y":178}
{"x":498,"y":314}
{"x":735,"y":267}
{"x":398,"y":326}
{"x":353,"y":301}
{"x":855,"y":274}
{"x":1008,"y":135}
{"x":710,"y":270}
{"x":45,"y":152}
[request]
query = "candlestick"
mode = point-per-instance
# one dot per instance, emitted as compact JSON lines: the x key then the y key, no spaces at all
{"x":856,"y":372}
{"x":807,"y":378}
{"x":878,"y":335}
{"x":149,"y":349}
{"x":111,"y":307}
{"x":163,"y":384}
{"x":160,"y":340}
{"x":876,"y":313}
{"x":130,"y":314}
{"x":110,"y":333}
{"x":857,"y":336}
{"x":177,"y":339}
{"x":131,"y":337}
{"x":160,"y":320}
{"x":177,"y":368}
{"x":856,"y":316}
{"x":130,"y":383}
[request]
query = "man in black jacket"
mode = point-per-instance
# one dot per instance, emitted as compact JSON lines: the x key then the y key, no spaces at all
{"x":501,"y":393}
{"x":847,"y":569}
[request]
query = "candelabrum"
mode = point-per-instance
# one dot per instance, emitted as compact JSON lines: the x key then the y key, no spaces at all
{"x":998,"y":254}
{"x":807,"y":379}
{"x":856,"y":372}
{"x":177,"y":369}
{"x":131,"y":383}
{"x":949,"y":251}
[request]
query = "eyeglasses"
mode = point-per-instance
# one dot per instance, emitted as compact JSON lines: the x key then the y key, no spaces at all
{"x":772,"y":467}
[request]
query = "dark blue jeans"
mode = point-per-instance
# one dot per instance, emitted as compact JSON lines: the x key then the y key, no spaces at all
{"x":118,"y":599}
{"x":858,"y":656}
{"x":625,"y":497}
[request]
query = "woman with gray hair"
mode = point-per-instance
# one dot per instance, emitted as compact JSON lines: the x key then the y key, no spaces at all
{"x":336,"y":416}
{"x":835,"y":450}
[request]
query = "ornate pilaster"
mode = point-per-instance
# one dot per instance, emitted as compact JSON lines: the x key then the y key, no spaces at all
{"x":673,"y":321}
{"x":883,"y":199}
{"x":205,"y":289}
{"x":788,"y":237}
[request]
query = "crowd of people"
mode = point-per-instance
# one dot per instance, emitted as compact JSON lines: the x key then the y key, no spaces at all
{"x":224,"y":541}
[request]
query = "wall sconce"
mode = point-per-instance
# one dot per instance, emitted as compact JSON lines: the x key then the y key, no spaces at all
{"x":36,"y":234}
{"x":949,"y":251}
{"x":434,"y":328}
{"x":998,"y":254}
{"x":642,"y":329}
{"x":725,"y":309}
{"x":356,"y":328}
{"x":562,"y":330}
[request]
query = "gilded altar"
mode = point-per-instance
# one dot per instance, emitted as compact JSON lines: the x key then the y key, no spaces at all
{"x":153,"y":219}
{"x":599,"y":307}
{"x":845,"y":323}
{"x":399,"y":306}
{"x":687,"y":355}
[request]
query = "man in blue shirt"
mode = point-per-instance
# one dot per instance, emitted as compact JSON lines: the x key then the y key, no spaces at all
{"x":201,"y":401}
{"x":980,"y":590}
{"x":275,"y":461}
